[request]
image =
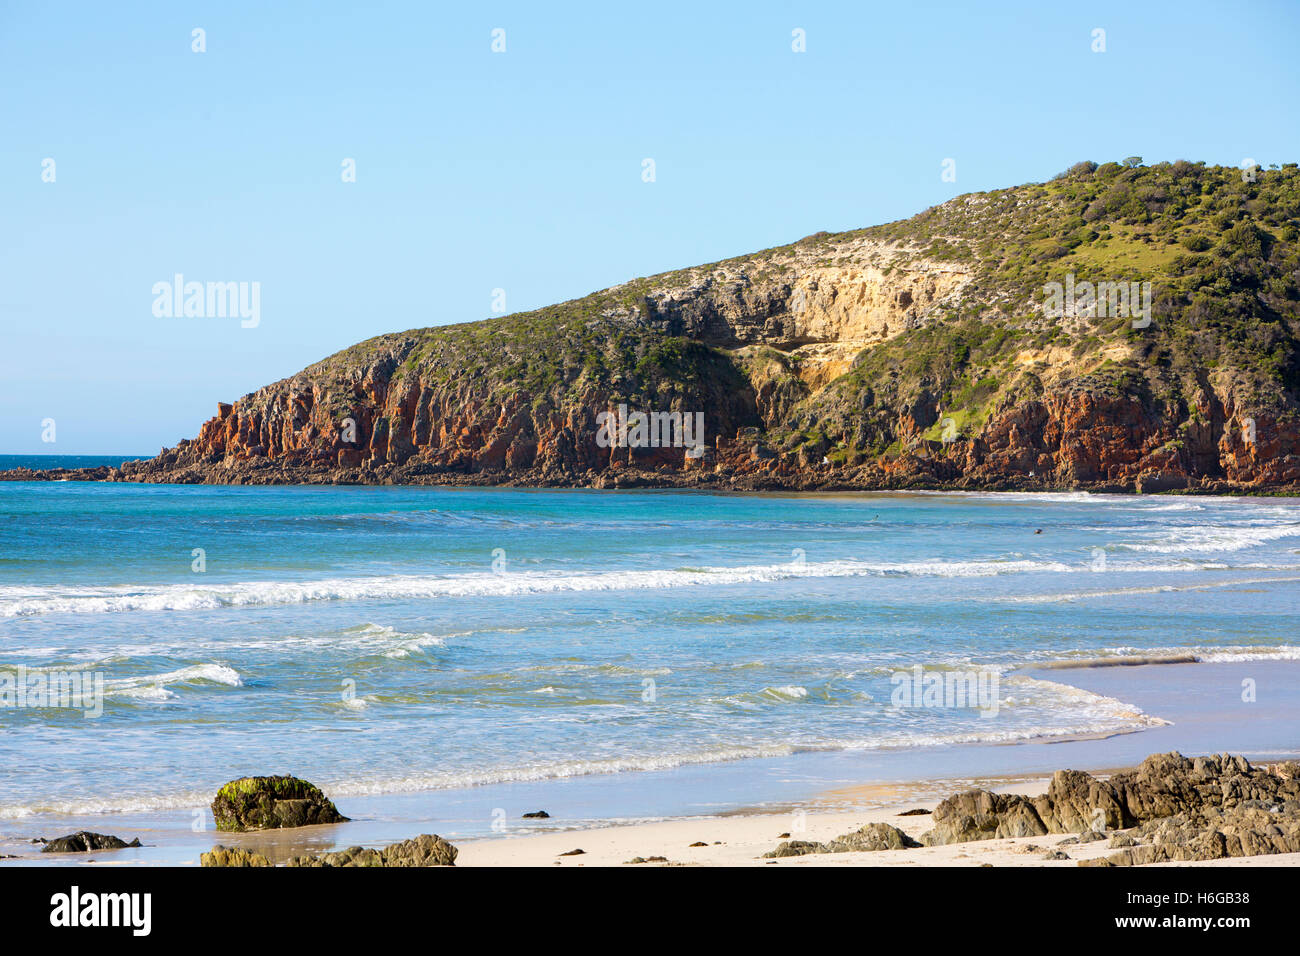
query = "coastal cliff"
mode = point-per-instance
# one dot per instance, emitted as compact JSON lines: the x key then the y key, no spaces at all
{"x":921,"y":353}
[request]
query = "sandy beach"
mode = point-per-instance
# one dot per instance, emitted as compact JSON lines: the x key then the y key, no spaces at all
{"x":742,"y":840}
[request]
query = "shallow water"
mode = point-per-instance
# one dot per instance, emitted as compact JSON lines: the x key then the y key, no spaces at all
{"x":391,"y":640}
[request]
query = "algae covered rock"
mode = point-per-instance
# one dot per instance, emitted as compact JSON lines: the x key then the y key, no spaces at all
{"x":232,"y":856}
{"x":269,"y":803}
{"x":428,"y":849}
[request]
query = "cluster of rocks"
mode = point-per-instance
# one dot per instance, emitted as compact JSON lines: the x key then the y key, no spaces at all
{"x":428,"y":849}
{"x":1254,"y":828}
{"x":873,"y":836}
{"x":232,"y":856}
{"x":1171,"y":807}
{"x":268,"y":803}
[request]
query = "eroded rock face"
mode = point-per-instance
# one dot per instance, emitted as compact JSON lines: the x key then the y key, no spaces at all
{"x":425,"y":850}
{"x":1210,"y":834}
{"x":268,"y":803}
{"x":983,"y":815}
{"x":829,"y":364}
{"x":1168,"y":784}
{"x":85,"y":841}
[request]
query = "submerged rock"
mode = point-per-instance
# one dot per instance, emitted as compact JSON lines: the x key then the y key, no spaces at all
{"x":84,"y":841}
{"x":269,"y":803}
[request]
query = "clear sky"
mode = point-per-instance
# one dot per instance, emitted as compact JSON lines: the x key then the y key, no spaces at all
{"x":523,"y":170}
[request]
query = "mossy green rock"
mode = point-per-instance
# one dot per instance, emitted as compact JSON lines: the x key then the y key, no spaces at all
{"x":269,"y":803}
{"x":232,"y":856}
{"x":428,"y":849}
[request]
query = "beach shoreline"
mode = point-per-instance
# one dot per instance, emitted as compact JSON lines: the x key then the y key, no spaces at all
{"x":841,"y":791}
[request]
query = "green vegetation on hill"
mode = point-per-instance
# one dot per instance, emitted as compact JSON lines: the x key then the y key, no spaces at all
{"x":1221,"y":252}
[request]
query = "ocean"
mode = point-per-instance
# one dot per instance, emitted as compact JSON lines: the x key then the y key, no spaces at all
{"x":424,"y":641}
{"x":43,"y":462}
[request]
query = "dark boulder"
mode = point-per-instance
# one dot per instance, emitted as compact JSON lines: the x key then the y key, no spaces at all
{"x":85,"y":841}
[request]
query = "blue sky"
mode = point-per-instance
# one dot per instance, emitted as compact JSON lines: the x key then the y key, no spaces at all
{"x":522,"y":170}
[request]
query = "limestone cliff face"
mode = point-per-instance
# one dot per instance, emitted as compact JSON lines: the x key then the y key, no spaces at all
{"x":912,"y":355}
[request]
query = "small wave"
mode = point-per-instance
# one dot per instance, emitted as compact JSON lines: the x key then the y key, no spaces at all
{"x":1134,"y":660}
{"x":1089,"y":714}
{"x":14,"y":603}
{"x":1136,"y":657}
{"x":789,"y":692}
{"x":1141,"y":589}
{"x":1183,"y":539}
{"x":154,"y":686}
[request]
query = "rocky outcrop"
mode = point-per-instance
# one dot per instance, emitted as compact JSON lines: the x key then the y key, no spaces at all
{"x":425,"y":850}
{"x":1250,"y":829}
{"x":232,"y":856}
{"x":267,"y":803}
{"x":870,"y":838}
{"x":983,"y":815}
{"x":1216,"y":805}
{"x":918,"y":354}
{"x":84,"y":841}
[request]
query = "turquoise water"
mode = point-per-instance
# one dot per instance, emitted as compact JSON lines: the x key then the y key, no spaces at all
{"x":42,"y":462}
{"x":401,"y":640}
